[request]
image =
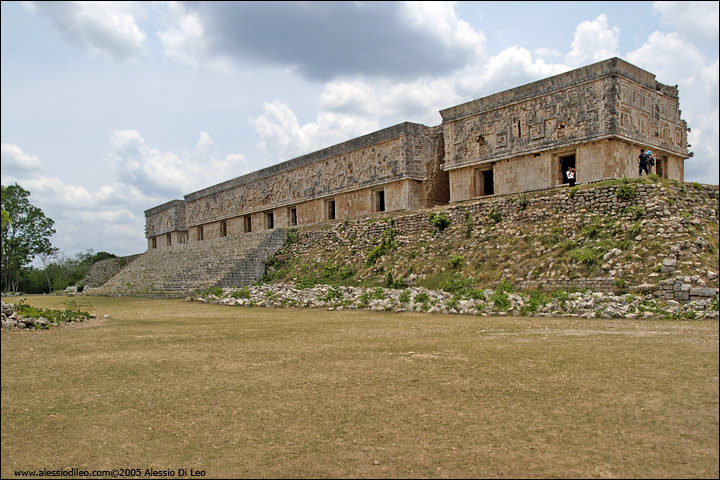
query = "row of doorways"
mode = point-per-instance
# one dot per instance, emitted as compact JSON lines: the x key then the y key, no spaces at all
{"x":484,"y":181}
{"x":484,"y":178}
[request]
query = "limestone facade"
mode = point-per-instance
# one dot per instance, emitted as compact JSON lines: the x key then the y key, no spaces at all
{"x":595,"y":119}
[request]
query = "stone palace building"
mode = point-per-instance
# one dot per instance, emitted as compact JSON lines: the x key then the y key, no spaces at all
{"x":595,"y":119}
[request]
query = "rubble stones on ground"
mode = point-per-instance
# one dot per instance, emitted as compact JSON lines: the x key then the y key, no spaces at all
{"x":419,"y":299}
{"x":9,"y":318}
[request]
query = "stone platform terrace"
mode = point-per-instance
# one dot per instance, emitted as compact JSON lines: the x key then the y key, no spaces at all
{"x":180,"y":270}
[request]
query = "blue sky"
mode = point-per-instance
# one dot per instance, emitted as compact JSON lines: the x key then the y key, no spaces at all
{"x":110,"y":108}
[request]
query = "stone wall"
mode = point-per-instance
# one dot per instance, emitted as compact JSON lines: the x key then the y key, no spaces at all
{"x":165,"y":218}
{"x":544,"y":121}
{"x":595,"y":118}
{"x":670,"y":215}
{"x":649,"y":113}
{"x":390,"y":155}
{"x":602,"y":114}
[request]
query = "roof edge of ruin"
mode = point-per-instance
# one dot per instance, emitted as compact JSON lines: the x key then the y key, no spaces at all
{"x":165,"y":206}
{"x":606,"y":68}
{"x":372,"y":138}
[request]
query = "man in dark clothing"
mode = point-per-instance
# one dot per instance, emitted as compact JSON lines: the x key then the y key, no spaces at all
{"x":642,"y":163}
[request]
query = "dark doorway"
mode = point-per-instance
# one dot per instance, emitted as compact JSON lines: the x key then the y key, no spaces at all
{"x":488,"y":183}
{"x":566,"y":162}
{"x":380,"y":201}
{"x":484,"y":183}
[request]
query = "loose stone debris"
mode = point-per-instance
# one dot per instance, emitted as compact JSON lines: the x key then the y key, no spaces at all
{"x":486,"y":302}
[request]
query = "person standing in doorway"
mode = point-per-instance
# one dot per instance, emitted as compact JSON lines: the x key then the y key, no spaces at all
{"x":642,"y":163}
{"x":570,"y":174}
{"x":650,"y":160}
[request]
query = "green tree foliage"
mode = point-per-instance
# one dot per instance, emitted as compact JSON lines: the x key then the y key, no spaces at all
{"x":26,"y":234}
{"x":60,"y":272}
{"x":5,"y":218}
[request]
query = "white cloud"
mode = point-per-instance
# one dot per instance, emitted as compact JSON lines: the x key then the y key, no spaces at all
{"x":282,"y":137}
{"x":594,"y":41}
{"x":52,"y":189}
{"x":512,"y":67}
{"x":106,"y":29}
{"x":186,"y":41}
{"x":695,"y":20}
{"x":705,"y":134}
{"x":669,"y":56}
{"x":548,"y":54}
{"x":14,"y":160}
{"x":674,"y":59}
{"x":204,"y":143}
{"x":439,"y":19}
{"x":389,"y":102}
{"x":709,"y":77}
{"x":354,"y":107}
{"x":165,"y":173}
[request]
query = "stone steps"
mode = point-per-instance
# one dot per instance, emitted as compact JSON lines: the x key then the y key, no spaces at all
{"x":180,"y":270}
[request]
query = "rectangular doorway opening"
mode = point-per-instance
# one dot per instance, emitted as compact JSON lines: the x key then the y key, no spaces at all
{"x":247,"y":224}
{"x":379,"y":201}
{"x":483,"y":182}
{"x":269,"y":221}
{"x":661,"y":167}
{"x":330,"y":209}
{"x":566,"y":162}
{"x":292,"y":214}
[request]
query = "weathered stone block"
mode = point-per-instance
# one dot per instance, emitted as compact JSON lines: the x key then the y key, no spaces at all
{"x":703,"y":292}
{"x":682,"y":296}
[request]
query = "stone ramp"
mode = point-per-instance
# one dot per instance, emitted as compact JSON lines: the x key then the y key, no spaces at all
{"x":180,"y":270}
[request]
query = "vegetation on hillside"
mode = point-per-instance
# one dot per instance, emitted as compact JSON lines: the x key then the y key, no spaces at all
{"x":59,"y":273}
{"x":482,"y":252}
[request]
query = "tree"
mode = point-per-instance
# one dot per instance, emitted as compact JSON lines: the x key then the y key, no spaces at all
{"x":26,"y":234}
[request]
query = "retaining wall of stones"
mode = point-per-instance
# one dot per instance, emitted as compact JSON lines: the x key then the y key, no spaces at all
{"x":667,"y":210}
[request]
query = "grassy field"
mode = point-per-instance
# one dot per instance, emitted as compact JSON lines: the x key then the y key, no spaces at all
{"x":251,"y":392}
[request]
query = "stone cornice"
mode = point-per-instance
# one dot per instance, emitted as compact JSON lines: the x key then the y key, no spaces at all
{"x":364,"y":141}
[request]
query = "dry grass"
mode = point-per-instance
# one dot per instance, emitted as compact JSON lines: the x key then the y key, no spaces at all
{"x":242,"y":392}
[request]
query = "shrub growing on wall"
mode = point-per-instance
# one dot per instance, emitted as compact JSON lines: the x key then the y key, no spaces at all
{"x":440,"y":220}
{"x":625,"y":192}
{"x":387,"y":243}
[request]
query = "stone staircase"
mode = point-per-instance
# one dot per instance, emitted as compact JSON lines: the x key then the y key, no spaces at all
{"x":180,"y":270}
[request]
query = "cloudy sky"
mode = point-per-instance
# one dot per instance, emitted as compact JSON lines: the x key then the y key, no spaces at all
{"x":109,"y":108}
